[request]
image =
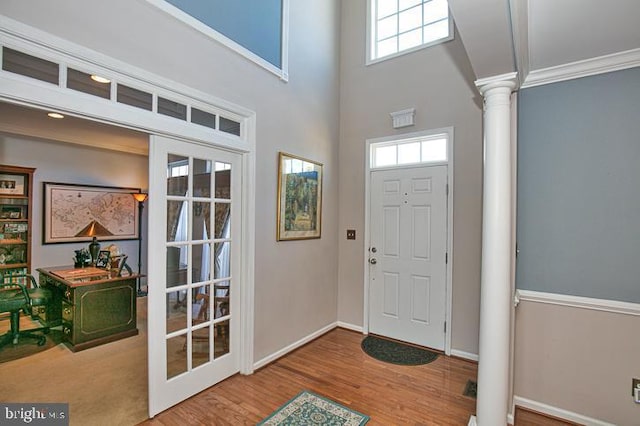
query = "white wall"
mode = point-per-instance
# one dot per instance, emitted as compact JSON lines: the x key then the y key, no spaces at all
{"x":438,"y":82}
{"x":296,"y":282}
{"x":67,"y":163}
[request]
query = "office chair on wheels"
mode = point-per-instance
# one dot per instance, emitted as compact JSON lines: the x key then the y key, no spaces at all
{"x":16,"y":297}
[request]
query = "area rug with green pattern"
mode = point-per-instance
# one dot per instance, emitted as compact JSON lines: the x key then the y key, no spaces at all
{"x":396,"y":352}
{"x":307,"y":408}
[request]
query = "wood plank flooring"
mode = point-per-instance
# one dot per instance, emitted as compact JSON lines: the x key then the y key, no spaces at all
{"x":524,"y":417}
{"x":334,"y":366}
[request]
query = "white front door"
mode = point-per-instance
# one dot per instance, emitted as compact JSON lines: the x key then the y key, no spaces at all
{"x":194,"y":269}
{"x":407,"y":254}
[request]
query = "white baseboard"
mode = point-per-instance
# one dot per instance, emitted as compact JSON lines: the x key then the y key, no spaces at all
{"x":558,"y":412}
{"x":348,"y":326}
{"x":295,"y":345}
{"x":472,"y":421}
{"x":465,"y":355}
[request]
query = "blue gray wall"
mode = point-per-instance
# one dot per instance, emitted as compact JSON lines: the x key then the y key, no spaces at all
{"x":253,"y":24}
{"x":579,"y":187}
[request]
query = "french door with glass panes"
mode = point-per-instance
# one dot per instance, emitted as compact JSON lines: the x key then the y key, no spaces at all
{"x":194,"y":269}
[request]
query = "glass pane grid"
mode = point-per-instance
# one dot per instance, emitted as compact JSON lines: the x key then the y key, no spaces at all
{"x":403,"y":25}
{"x":430,"y":150}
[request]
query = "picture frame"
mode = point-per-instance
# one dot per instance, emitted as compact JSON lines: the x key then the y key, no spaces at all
{"x":299,"y":215}
{"x":76,"y":213}
{"x":12,"y":184}
{"x":104,"y":258}
{"x":122,"y":264}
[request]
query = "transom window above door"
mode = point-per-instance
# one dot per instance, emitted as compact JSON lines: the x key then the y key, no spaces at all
{"x":396,"y":27}
{"x":415,"y":150}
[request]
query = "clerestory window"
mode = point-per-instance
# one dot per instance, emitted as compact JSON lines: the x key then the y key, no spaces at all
{"x":396,"y":27}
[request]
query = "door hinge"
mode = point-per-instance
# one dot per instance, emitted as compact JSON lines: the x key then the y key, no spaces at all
{"x":447,"y":189}
{"x":446,"y":258}
{"x":445,"y":326}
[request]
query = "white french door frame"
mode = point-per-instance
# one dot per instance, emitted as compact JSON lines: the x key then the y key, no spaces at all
{"x":367,"y":220}
{"x":24,"y":91}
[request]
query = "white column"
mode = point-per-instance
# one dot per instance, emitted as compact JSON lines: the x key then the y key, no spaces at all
{"x":495,"y":297}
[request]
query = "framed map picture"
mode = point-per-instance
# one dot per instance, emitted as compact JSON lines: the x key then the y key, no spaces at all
{"x":74,"y":213}
{"x":299,"y":198}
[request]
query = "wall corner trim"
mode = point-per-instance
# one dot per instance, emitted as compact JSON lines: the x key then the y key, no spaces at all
{"x":464,"y":355}
{"x":611,"y":306}
{"x":295,"y":345}
{"x":557,"y":412}
{"x":350,"y":326}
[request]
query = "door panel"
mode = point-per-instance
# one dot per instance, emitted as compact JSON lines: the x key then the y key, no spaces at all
{"x":408,"y":235}
{"x":194,"y":268}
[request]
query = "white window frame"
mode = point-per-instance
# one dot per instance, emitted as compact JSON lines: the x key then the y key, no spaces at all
{"x":371,"y":39}
{"x":408,"y":139}
{"x":282,"y":71}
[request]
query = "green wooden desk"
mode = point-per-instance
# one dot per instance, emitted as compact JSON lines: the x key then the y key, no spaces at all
{"x":93,"y":306}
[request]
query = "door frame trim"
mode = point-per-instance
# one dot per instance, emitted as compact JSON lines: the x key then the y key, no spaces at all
{"x":449,"y":131}
{"x":32,"y":93}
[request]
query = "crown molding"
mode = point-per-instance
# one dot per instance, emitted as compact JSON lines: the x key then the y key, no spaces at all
{"x":594,"y":66}
{"x":611,"y":306}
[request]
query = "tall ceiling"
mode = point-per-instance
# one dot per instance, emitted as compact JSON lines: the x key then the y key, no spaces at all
{"x":539,"y":38}
{"x":562,"y":31}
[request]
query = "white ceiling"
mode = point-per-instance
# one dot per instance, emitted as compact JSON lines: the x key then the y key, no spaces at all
{"x":562,"y":31}
{"x":566,"y":38}
{"x":19,"y":120}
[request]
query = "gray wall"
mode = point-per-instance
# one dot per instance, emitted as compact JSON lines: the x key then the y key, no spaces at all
{"x":67,"y":163}
{"x":254,"y":24}
{"x":578,"y":187}
{"x":438,"y":82}
{"x":296,"y":282}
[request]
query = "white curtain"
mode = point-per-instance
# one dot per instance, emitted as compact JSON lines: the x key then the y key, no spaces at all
{"x":181,"y":232}
{"x":206,"y":250}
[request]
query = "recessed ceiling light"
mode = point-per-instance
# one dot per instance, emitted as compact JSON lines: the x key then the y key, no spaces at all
{"x":55,"y":115}
{"x":99,"y":79}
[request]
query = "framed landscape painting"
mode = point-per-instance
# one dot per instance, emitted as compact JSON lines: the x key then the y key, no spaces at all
{"x":75,"y":213}
{"x":299,"y":198}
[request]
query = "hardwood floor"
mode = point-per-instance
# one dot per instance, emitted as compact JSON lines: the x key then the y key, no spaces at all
{"x":334,"y":366}
{"x":526,"y":417}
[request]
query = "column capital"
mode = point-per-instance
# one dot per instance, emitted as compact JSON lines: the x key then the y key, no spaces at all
{"x":507,"y":81}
